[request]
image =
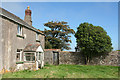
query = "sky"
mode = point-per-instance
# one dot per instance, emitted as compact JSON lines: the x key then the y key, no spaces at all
{"x":104,"y":14}
{"x":60,"y":0}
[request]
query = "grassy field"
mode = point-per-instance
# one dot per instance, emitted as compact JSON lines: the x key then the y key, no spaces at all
{"x":67,"y":71}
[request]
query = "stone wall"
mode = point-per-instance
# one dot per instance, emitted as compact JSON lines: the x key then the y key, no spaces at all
{"x":111,"y":59}
{"x":48,"y":57}
{"x":66,"y":57}
{"x":71,"y":58}
{"x":78,"y":58}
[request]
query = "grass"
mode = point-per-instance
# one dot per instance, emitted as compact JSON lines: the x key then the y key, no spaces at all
{"x":67,"y":71}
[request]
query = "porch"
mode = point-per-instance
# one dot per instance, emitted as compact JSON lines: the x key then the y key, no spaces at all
{"x":31,"y":57}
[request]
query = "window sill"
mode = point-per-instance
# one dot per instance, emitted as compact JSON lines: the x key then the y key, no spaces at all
{"x":29,"y":61}
{"x":19,"y":62}
{"x":20,"y":36}
{"x":37,"y":40}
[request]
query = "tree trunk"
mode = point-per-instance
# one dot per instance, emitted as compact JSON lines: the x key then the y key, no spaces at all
{"x":86,"y":60}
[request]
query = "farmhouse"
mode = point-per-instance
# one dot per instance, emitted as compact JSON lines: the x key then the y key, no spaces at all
{"x":22,"y":45}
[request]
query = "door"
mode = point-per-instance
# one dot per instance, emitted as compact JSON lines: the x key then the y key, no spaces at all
{"x":56,"y":58}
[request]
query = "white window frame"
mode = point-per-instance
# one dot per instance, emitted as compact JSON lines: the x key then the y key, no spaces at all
{"x":20,"y":59}
{"x":19,"y":30}
{"x":29,"y":55}
{"x":37,"y":36}
{"x":39,"y":55}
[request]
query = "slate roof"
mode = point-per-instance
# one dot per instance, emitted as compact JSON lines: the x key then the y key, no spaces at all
{"x":16,"y":19}
{"x":31,"y":47}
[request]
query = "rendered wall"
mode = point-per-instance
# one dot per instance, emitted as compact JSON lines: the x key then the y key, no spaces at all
{"x":11,"y":42}
{"x":1,"y":55}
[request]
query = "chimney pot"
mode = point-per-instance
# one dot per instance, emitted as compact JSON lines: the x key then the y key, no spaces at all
{"x":27,"y":18}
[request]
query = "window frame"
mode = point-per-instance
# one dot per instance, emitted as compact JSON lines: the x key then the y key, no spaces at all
{"x":19,"y":51}
{"x":37,"y":36}
{"x":25,"y":60}
{"x":20,"y":30}
{"x":39,"y":55}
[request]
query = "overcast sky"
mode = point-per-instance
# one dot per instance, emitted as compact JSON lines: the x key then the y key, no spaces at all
{"x":99,"y":14}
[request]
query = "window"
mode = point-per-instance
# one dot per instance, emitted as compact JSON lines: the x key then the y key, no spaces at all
{"x":19,"y":55}
{"x":37,"y":36}
{"x":29,"y":57}
{"x":19,"y":30}
{"x":38,"y":54}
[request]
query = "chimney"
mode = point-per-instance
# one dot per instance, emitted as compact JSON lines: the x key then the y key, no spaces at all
{"x":27,"y":17}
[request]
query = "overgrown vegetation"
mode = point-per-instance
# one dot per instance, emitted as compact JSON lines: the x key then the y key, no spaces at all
{"x":67,"y":71}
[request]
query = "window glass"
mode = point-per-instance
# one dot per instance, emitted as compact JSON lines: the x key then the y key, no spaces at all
{"x":18,"y":55}
{"x":29,"y":57}
{"x":19,"y":30}
{"x":38,"y":55}
{"x":37,"y":37}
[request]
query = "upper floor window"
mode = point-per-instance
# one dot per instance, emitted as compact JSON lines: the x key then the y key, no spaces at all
{"x":19,"y":30}
{"x":37,"y":36}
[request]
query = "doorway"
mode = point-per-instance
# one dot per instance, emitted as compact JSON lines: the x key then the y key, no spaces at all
{"x":55,"y":58}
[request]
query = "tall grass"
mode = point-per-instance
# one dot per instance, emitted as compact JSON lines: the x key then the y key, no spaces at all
{"x":67,"y":71}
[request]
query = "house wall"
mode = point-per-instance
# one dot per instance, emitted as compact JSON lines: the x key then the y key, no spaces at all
{"x":11,"y":42}
{"x":42,"y":40}
{"x":1,"y":64}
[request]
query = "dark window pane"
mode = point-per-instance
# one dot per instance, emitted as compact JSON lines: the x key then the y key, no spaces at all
{"x":30,"y":56}
{"x":18,"y":57}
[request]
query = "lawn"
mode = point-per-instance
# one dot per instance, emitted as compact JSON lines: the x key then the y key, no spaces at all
{"x":67,"y":71}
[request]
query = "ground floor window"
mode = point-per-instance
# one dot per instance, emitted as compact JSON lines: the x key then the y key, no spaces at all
{"x":29,"y":56}
{"x":19,"y":55}
{"x":39,"y":55}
